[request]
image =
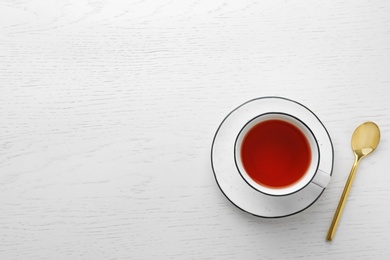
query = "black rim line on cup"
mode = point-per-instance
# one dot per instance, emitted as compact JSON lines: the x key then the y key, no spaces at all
{"x":315,"y":140}
{"x":215,"y":176}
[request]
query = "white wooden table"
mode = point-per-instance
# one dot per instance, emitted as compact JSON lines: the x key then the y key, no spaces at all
{"x":108,"y":110}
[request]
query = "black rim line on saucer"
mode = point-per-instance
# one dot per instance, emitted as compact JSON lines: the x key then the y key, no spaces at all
{"x":315,"y":139}
{"x":212,"y":164}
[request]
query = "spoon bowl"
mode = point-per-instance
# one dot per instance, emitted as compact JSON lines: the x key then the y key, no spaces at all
{"x":365,"y":139}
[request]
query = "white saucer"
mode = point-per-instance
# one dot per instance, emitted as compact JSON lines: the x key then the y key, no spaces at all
{"x":228,"y":178}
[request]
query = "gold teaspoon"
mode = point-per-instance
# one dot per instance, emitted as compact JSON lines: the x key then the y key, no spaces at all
{"x":364,"y":141}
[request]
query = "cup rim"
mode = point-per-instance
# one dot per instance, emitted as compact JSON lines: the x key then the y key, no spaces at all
{"x":315,"y":170}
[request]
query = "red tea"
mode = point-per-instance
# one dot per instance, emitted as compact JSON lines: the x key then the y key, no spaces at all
{"x":275,"y":154}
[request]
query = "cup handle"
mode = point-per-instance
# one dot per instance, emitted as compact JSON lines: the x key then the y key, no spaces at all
{"x":321,"y":179}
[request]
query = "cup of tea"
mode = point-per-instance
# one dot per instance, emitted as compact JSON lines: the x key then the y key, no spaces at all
{"x":277,"y":154}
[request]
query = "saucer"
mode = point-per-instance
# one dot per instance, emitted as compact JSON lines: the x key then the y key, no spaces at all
{"x":231,"y":183}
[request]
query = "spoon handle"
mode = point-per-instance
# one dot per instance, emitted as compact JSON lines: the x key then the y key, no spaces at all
{"x":343,"y":199}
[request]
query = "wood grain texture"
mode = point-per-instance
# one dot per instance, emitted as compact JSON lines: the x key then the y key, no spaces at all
{"x":108,"y":110}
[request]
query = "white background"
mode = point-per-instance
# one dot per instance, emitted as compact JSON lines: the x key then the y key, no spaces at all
{"x":108,"y":110}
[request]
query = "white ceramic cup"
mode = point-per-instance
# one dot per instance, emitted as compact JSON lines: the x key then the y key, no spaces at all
{"x":312,"y":174}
